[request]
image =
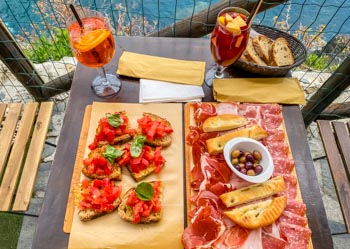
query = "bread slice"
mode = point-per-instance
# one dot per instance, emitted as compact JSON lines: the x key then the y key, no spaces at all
{"x":115,"y":175}
{"x":216,"y":145}
{"x":262,"y":45}
{"x":254,"y":192}
{"x":282,"y":55}
{"x":258,"y":214}
{"x":164,"y":141}
{"x":143,"y":173}
{"x":223,"y":122}
{"x":253,"y":55}
{"x":89,"y":213}
{"x":126,"y":212}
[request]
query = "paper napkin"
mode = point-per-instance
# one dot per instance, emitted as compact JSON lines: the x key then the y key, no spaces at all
{"x":160,"y":68}
{"x":160,"y":91}
{"x":259,"y":90}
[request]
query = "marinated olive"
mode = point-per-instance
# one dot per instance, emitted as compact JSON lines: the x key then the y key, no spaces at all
{"x":237,"y":167}
{"x":251,"y":172}
{"x":235,"y":161}
{"x":243,"y":171}
{"x":257,"y":155}
{"x":242,"y":159}
{"x":235,"y":153}
{"x":241,"y":165}
{"x":258,"y":169}
{"x":248,"y":165}
{"x":250,"y":157}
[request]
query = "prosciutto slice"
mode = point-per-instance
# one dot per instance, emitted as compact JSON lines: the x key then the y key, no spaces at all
{"x":203,"y":231}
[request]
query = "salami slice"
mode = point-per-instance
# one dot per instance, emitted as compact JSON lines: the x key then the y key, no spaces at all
{"x":293,"y":218}
{"x":271,"y":242}
{"x":296,"y":236}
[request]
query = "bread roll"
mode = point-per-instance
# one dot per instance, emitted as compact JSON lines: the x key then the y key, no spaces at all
{"x":216,"y":145}
{"x":223,"y":122}
{"x":253,"y":192}
{"x":258,"y":214}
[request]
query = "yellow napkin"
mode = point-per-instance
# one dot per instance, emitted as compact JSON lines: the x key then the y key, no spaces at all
{"x":160,"y":68}
{"x":259,"y":90}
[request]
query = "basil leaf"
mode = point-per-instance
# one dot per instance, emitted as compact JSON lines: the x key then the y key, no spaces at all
{"x":136,"y":146}
{"x":144,"y":191}
{"x":114,"y":119}
{"x":112,"y":153}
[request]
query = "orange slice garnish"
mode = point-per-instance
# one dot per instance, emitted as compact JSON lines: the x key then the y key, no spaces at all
{"x":91,"y":39}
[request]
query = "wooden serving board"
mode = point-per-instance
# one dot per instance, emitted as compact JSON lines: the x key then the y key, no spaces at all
{"x":110,"y":231}
{"x":189,"y":121}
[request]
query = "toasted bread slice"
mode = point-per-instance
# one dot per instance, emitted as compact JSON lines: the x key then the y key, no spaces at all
{"x":282,"y":55}
{"x":254,"y":192}
{"x":254,"y":56}
{"x":223,"y":122}
{"x":118,"y":139}
{"x":216,"y":145}
{"x":126,"y":212}
{"x":262,"y":45}
{"x":143,"y":173}
{"x":115,"y":175}
{"x":164,"y":141}
{"x":89,"y":213}
{"x":258,"y":214}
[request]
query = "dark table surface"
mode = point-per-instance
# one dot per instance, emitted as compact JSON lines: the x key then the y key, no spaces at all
{"x":49,"y":231}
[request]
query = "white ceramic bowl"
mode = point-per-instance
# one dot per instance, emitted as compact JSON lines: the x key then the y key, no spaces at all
{"x":248,"y":144}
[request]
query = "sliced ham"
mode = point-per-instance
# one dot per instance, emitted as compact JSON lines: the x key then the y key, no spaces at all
{"x":233,"y":237}
{"x":296,"y":236}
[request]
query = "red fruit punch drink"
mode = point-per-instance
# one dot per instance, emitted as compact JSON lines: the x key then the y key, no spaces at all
{"x":229,"y":38}
{"x":94,"y":47}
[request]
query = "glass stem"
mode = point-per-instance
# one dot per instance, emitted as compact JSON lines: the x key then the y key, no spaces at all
{"x":103,"y":75}
{"x":219,"y":72}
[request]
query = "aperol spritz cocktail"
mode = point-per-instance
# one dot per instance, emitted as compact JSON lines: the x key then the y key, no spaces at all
{"x":228,"y":40}
{"x":93,"y":45}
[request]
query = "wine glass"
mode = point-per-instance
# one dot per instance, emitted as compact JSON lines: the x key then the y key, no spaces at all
{"x":92,"y":43}
{"x":228,"y":40}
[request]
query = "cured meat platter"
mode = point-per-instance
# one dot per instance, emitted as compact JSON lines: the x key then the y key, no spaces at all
{"x":208,"y":177}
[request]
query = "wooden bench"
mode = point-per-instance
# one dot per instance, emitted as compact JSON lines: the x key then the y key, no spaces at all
{"x":336,"y":142}
{"x":22,"y":139}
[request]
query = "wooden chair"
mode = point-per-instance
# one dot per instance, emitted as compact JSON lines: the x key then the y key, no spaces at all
{"x":336,"y":142}
{"x":22,"y":139}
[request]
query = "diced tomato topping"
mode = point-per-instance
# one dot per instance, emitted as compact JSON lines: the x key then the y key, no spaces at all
{"x":142,"y":208}
{"x":98,"y":164}
{"x":154,"y":128}
{"x":99,"y":195}
{"x":107,"y":132}
{"x":147,"y":157}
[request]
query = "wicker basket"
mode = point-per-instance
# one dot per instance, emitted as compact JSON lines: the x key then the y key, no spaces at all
{"x":298,"y":49}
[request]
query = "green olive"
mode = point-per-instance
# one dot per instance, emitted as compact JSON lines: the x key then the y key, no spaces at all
{"x":251,"y":172}
{"x":257,"y":155}
{"x":235,"y":161}
{"x":235,"y":153}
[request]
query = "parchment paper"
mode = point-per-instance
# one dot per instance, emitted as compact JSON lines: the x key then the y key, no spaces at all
{"x":110,"y":231}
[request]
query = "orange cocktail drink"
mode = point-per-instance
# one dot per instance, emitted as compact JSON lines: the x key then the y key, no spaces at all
{"x":93,"y":46}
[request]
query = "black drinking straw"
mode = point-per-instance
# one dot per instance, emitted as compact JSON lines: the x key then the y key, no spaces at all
{"x":75,"y":13}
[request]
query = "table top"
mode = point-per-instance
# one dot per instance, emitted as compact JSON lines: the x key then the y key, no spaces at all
{"x":49,"y":229}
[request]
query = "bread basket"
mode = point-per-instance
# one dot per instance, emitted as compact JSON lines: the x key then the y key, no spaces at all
{"x":298,"y":49}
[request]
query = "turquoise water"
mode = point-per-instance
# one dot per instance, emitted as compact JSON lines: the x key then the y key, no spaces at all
{"x":20,"y":14}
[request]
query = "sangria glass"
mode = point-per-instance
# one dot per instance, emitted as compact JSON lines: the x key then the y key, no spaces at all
{"x":228,"y":40}
{"x":92,"y":43}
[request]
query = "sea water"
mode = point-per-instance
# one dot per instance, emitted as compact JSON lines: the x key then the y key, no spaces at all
{"x":20,"y":15}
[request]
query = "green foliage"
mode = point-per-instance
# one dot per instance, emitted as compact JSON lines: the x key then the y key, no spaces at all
{"x":53,"y":48}
{"x":316,"y":62}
